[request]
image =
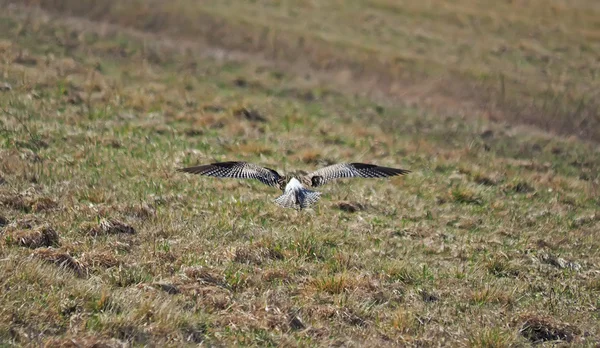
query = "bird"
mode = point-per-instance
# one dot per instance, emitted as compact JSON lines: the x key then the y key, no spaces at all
{"x":297,"y":190}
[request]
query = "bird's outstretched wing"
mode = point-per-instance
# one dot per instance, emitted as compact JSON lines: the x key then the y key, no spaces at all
{"x":239,"y":170}
{"x":351,"y":170}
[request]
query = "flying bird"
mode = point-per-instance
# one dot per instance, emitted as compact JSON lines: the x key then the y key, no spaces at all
{"x":297,"y":193}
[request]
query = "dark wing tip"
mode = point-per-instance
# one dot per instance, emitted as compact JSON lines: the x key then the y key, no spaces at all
{"x":362,"y":165}
{"x":384,"y":170}
{"x":394,"y":171}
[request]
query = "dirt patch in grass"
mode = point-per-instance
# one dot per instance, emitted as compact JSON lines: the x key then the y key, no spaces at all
{"x":351,"y":207}
{"x":539,"y":329}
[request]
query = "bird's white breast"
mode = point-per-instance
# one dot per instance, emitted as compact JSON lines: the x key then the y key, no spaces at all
{"x":293,"y":185}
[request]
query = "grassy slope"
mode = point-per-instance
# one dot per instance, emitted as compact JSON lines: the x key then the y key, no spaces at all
{"x":532,"y":62}
{"x":464,"y":250}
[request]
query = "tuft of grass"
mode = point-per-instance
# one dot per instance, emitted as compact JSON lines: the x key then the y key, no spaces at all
{"x":491,"y":295}
{"x":310,"y":156}
{"x":401,"y":272}
{"x":466,"y":196}
{"x":336,"y":284}
{"x":405,"y":322}
{"x":493,"y":338}
{"x":257,"y":254}
{"x":500,"y":267}
{"x":125,"y":276}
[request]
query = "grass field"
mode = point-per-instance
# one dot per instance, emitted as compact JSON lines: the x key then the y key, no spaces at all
{"x":492,"y":240}
{"x":529,"y":62}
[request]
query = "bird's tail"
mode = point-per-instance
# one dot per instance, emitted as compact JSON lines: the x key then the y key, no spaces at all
{"x":298,"y":199}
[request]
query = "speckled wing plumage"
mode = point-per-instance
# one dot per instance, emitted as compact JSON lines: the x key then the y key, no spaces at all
{"x":238,"y":170}
{"x":351,"y":170}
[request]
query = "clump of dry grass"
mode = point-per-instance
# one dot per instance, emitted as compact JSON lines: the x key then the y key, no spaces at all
{"x":405,"y":322}
{"x":249,"y":114}
{"x":257,"y":254}
{"x":212,"y":121}
{"x":251,"y":148}
{"x":500,"y":267}
{"x":520,"y":187}
{"x":28,"y":202}
{"x":170,"y":289}
{"x":335,"y":284}
{"x":99,"y":259}
{"x":594,"y":284}
{"x":490,"y":295}
{"x":205,"y":275}
{"x":42,"y":236}
{"x":87,"y":341}
{"x":466,"y":196}
{"x":61,"y":259}
{"x":43,"y":204}
{"x":15,"y":202}
{"x":276,"y":275}
{"x":492,"y":338}
{"x":141,"y":211}
{"x":485,"y":179}
{"x":109,"y":226}
{"x":310,"y":156}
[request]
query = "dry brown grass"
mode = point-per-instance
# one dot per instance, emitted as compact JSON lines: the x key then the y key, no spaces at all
{"x":61,"y":259}
{"x":518,"y":62}
{"x":110,"y":227}
{"x":40,"y":237}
